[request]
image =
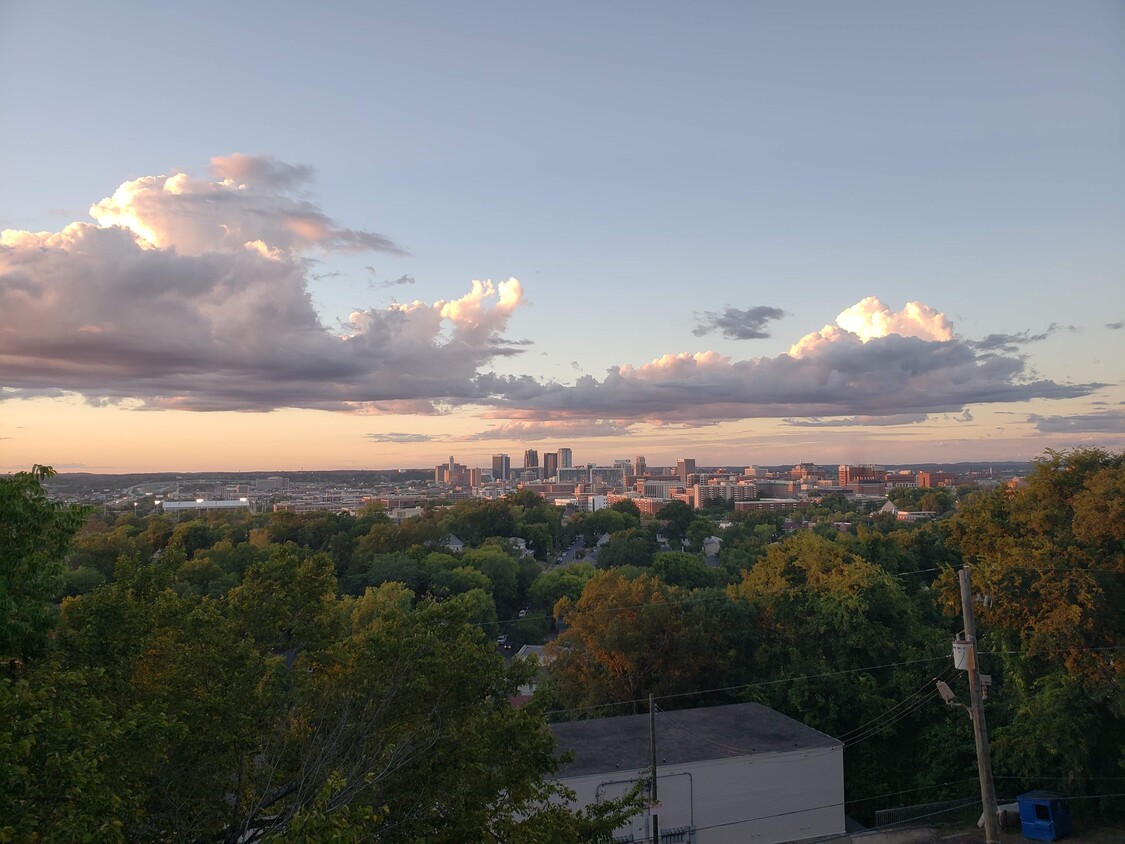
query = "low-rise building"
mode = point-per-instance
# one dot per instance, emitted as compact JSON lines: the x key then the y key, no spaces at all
{"x":733,"y":773}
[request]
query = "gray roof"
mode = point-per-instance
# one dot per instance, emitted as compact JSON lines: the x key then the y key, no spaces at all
{"x":688,"y":735}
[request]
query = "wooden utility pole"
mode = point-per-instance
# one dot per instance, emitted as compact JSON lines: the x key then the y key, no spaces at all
{"x":652,"y":771}
{"x":980,"y":729}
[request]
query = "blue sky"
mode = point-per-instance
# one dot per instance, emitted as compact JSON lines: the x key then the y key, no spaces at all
{"x":636,"y":167}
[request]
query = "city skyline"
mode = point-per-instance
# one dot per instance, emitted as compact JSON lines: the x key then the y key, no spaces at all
{"x":364,"y":238}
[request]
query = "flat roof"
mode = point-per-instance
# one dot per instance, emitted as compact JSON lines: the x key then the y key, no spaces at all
{"x":203,"y":505}
{"x":687,"y":735}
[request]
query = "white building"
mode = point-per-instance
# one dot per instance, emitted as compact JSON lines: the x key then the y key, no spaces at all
{"x":725,"y":773}
{"x":596,"y":502}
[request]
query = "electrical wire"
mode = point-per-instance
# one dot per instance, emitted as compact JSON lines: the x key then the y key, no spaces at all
{"x":705,"y":598}
{"x":844,"y":803}
{"x":1061,"y":779}
{"x":671,"y":721}
{"x":759,"y":684}
{"x":847,"y":736}
{"x":905,"y":713}
{"x":969,"y":802}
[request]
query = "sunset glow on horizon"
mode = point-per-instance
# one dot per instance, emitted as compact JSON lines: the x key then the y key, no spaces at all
{"x":765,"y":252}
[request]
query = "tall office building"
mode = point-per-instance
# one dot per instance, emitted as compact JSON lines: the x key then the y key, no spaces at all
{"x":531,"y":461}
{"x":640,"y":466}
{"x":501,"y":467}
{"x":550,"y":464}
{"x":566,"y":459}
{"x":685,"y":466}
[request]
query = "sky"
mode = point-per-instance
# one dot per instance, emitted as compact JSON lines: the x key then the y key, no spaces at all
{"x":270,"y":236}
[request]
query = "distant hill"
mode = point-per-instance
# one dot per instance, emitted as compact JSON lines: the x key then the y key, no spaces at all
{"x":74,"y":482}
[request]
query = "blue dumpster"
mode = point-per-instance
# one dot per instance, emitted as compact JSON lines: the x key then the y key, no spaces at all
{"x":1044,"y":815}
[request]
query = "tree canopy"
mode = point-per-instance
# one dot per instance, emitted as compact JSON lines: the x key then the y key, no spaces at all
{"x":277,"y":709}
{"x":1048,"y":571}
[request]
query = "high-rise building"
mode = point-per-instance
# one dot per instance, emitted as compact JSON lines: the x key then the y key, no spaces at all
{"x":451,"y":474}
{"x":550,"y":464}
{"x":531,"y":462}
{"x":640,"y":466}
{"x":501,"y":467}
{"x":685,"y":466}
{"x":566,"y":458}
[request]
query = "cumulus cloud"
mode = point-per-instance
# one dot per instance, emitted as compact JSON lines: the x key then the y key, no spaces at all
{"x":874,"y":362}
{"x":869,"y":319}
{"x":248,"y":203}
{"x":1100,"y":422}
{"x":735,"y":324}
{"x":193,"y":294}
{"x":860,"y":421}
{"x":1115,"y":326}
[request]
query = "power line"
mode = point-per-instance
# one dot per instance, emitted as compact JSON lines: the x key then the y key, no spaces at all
{"x":878,"y":728}
{"x":1054,"y":651}
{"x":847,"y":736}
{"x":671,"y":722}
{"x":724,"y":597}
{"x":844,"y":803}
{"x":751,"y":685}
{"x":945,"y":811}
{"x":762,"y":683}
{"x":1060,"y":779}
{"x":912,"y":790}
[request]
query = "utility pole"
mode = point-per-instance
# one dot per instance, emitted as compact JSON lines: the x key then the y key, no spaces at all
{"x":980,"y":729}
{"x":652,"y":771}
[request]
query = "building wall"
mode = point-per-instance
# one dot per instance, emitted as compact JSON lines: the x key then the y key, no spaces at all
{"x":550,"y":465}
{"x":769,"y":504}
{"x":766,"y":798}
{"x":685,"y":466}
{"x":658,"y":489}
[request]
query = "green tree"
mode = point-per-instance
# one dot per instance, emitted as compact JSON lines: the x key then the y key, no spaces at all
{"x":502,"y":571}
{"x":568,"y":581}
{"x":632,"y":547}
{"x":628,"y":507}
{"x":600,"y":522}
{"x":397,"y":567}
{"x":35,"y":534}
{"x":194,"y":536}
{"x":698,"y":531}
{"x":676,"y":516}
{"x":684,"y":570}
{"x":627,"y":638}
{"x":1047,"y":562}
{"x":826,"y":616}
